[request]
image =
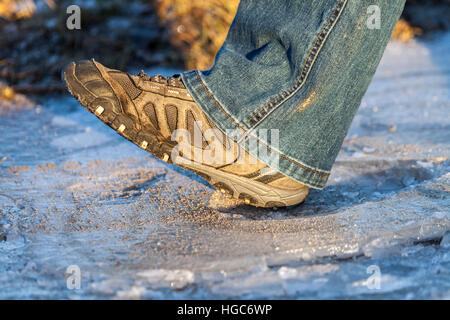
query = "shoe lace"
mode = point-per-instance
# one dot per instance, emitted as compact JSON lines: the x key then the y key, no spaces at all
{"x":173,"y":81}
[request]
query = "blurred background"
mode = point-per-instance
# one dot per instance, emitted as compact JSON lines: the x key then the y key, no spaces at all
{"x":137,"y":34}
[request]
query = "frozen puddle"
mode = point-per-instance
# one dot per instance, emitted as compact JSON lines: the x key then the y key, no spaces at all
{"x":73,"y":193}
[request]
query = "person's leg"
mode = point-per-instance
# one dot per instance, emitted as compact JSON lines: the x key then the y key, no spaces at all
{"x":301,"y":67}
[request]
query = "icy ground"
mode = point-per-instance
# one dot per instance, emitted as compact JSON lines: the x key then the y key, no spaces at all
{"x":72,"y":192}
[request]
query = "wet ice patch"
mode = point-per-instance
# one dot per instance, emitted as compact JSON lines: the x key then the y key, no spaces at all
{"x":134,"y":292}
{"x":175,"y":279}
{"x":63,"y":121}
{"x":445,"y":242}
{"x":81,"y":140}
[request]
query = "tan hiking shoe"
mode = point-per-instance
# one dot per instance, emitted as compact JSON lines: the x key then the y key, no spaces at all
{"x":159,"y":115}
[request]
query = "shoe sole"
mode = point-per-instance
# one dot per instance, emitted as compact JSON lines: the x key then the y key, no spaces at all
{"x":251,"y":192}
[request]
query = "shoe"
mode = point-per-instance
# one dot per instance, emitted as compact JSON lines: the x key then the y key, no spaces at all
{"x":159,"y":115}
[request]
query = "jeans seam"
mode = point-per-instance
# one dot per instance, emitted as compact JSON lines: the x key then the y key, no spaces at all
{"x":273,"y":104}
{"x":323,"y":173}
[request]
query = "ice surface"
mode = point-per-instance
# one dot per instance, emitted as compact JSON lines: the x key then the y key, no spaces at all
{"x":72,"y":192}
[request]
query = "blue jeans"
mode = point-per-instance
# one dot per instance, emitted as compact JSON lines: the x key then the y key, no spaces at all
{"x":297,"y":69}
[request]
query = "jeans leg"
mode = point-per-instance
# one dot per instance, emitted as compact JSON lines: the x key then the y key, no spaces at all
{"x":297,"y":70}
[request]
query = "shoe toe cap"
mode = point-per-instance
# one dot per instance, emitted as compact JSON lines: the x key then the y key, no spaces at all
{"x":84,"y":79}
